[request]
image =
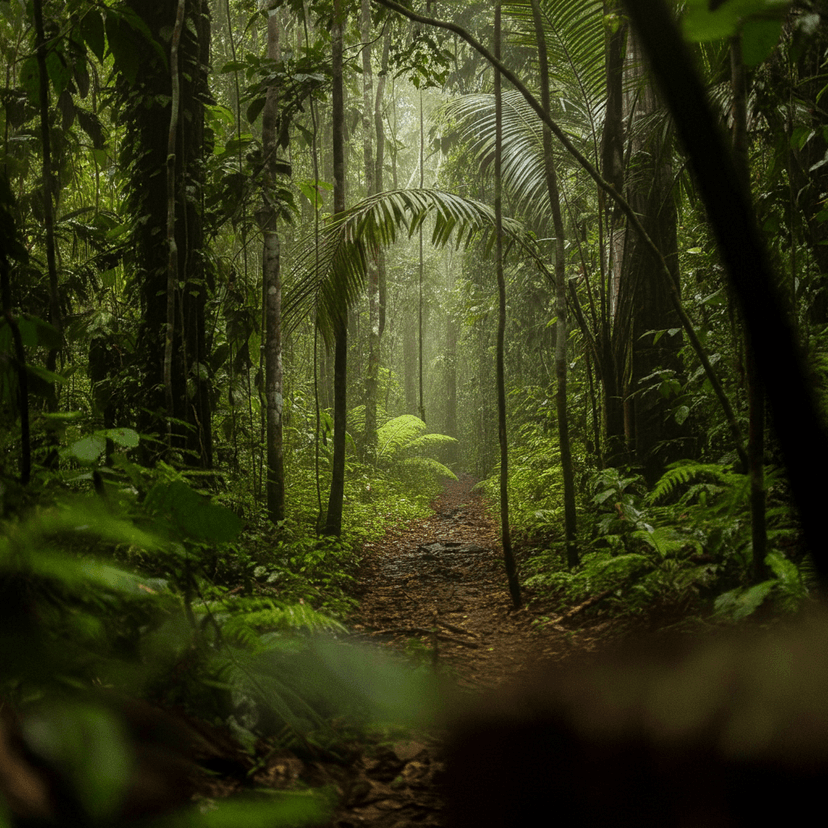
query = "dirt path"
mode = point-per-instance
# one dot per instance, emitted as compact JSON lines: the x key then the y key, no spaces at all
{"x":445,"y":574}
{"x":437,"y":588}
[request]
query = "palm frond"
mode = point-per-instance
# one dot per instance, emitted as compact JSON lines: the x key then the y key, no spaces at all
{"x":574,"y":34}
{"x":328,"y":277}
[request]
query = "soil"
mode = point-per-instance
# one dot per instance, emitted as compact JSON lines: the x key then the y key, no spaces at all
{"x":437,"y":587}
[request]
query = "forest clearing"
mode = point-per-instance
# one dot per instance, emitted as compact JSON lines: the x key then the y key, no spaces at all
{"x":412,"y":411}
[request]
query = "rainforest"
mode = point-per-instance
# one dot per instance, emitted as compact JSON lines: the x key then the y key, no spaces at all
{"x":390,"y":390}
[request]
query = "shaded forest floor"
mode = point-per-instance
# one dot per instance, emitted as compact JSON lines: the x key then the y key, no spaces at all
{"x":435,"y":589}
{"x":432,"y":592}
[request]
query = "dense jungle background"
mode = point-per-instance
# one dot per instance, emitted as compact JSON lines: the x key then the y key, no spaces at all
{"x":272,"y":272}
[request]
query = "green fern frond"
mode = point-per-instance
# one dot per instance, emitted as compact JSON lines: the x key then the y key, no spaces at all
{"x":426,"y":467}
{"x":328,"y":276}
{"x":428,"y":442}
{"x":396,"y":433}
{"x":680,"y":473}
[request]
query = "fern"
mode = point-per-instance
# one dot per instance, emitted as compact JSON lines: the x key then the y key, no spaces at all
{"x":425,"y":466}
{"x":683,"y":472}
{"x":396,"y":433}
{"x":402,"y":445}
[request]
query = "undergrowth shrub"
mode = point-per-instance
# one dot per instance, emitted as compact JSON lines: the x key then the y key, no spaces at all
{"x":684,"y":546}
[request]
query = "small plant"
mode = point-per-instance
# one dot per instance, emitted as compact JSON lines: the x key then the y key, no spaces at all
{"x":403,"y":449}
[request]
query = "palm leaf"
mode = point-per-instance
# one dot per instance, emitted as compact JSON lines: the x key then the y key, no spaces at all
{"x":574,"y":34}
{"x":328,"y":277}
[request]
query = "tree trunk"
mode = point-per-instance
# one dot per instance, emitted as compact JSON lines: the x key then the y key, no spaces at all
{"x":613,"y":328}
{"x":272,"y":283}
{"x":146,"y":151}
{"x":756,"y":397}
{"x":570,"y":517}
{"x":505,"y":531}
{"x":644,"y":292}
{"x":421,"y":401}
{"x":368,"y":128}
{"x":333,"y":522}
{"x":41,"y":48}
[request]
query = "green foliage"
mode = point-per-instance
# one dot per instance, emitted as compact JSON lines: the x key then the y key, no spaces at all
{"x":402,"y":445}
{"x":689,"y":556}
{"x":759,"y":22}
{"x":535,"y":483}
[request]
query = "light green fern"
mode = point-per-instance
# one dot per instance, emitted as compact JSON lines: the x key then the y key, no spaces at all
{"x":403,"y":448}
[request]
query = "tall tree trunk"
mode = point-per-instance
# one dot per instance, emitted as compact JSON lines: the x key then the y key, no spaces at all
{"x":379,"y":176}
{"x":756,"y":397}
{"x":409,"y":346}
{"x":333,"y":522}
{"x":49,"y":190}
{"x":368,"y":128}
{"x":644,"y":293}
{"x":172,"y":244}
{"x":421,"y":403}
{"x":613,"y":336}
{"x":146,"y":149}
{"x":272,"y":284}
{"x":505,"y":530}
{"x":570,"y":517}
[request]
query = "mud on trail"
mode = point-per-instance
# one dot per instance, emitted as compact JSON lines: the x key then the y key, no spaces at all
{"x":440,"y":581}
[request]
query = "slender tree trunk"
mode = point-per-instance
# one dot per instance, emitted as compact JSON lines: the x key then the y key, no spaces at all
{"x":570,"y":517}
{"x":172,"y":244}
{"x":41,"y":50}
{"x":756,"y":397}
{"x":333,"y":522}
{"x":368,"y":128}
{"x":505,"y":530}
{"x":421,"y":405}
{"x":614,"y":331}
{"x":409,"y":346}
{"x":20,"y":366}
{"x":380,"y":171}
{"x":272,"y":283}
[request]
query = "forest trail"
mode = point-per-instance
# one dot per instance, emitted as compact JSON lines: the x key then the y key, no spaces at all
{"x":436,"y":588}
{"x":440,"y":580}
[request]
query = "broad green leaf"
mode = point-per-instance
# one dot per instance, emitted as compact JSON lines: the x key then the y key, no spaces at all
{"x":194,"y":515}
{"x":123,"y":44}
{"x":44,"y":374}
{"x":59,"y":73}
{"x":36,"y":333}
{"x":87,"y":449}
{"x":30,"y":79}
{"x":699,"y":24}
{"x":92,"y":31}
{"x":759,"y":39}
{"x":90,"y":744}
{"x":125,"y":437}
